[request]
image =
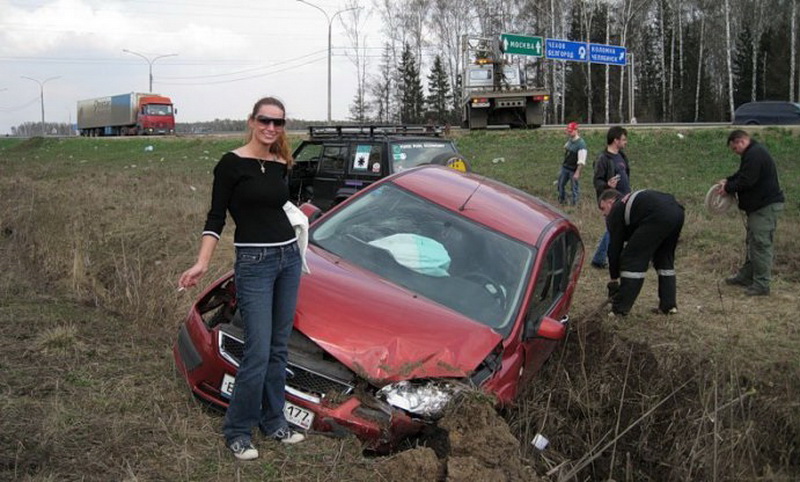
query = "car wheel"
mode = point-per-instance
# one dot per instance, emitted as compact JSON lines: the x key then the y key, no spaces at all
{"x":752,"y":123}
{"x":453,"y":161}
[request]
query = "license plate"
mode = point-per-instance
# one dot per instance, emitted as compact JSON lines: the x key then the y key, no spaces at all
{"x":295,"y":415}
{"x":298,"y":415}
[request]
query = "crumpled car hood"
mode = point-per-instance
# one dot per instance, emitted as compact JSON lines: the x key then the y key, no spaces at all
{"x":383,"y":332}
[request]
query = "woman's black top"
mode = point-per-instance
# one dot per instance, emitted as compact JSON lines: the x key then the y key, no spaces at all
{"x":254,"y":191}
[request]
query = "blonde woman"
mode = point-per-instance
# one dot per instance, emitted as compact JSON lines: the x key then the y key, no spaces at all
{"x":250,"y":183}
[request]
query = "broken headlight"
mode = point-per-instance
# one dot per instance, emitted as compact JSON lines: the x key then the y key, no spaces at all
{"x":426,"y":399}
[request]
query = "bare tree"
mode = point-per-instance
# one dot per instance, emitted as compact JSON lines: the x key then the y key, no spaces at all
{"x":756,"y":9}
{"x":793,"y":49}
{"x":382,"y":87}
{"x":699,"y":67}
{"x":729,"y":56}
{"x":662,"y":56}
{"x":414,"y":18}
{"x":353,"y":23}
{"x":588,"y":8}
{"x":608,"y":69}
{"x":450,"y":21}
{"x":626,"y":17}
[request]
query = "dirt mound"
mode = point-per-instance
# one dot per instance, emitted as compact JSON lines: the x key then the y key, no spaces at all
{"x":472,"y":442}
{"x":481,"y":443}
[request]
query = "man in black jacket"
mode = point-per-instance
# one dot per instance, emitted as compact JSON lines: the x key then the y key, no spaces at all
{"x":611,"y":171}
{"x":761,"y":198}
{"x":643,"y":226}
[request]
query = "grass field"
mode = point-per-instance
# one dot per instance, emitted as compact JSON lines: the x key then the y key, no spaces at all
{"x":94,"y":233}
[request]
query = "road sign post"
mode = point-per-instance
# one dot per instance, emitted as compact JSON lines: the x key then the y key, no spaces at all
{"x":521,"y":45}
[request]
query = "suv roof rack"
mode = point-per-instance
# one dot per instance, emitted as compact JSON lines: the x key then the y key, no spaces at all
{"x":374,"y":130}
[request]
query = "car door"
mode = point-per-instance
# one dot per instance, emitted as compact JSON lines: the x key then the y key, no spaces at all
{"x":330,"y":174}
{"x":551,"y":297}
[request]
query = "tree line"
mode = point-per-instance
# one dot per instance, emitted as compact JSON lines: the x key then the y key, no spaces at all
{"x":692,"y":60}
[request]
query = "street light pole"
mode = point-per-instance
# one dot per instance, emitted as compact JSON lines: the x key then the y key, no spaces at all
{"x":330,"y":19}
{"x":150,"y":62}
{"x":41,"y":94}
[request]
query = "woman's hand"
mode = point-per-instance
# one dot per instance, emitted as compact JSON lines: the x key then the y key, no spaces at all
{"x":191,"y":276}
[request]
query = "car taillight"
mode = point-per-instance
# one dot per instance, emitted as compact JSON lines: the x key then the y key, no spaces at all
{"x":480,"y":100}
{"x":541,"y":98}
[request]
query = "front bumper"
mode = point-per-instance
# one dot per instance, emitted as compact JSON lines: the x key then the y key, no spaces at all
{"x":340,"y":406}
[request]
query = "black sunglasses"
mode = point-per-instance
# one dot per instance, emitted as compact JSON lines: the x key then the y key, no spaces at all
{"x":265,"y":121}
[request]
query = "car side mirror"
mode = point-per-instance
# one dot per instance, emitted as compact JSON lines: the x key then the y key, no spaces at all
{"x":550,"y":329}
{"x":312,"y":212}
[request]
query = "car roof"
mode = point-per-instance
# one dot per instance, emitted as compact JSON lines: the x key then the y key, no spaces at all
{"x":767,"y":103}
{"x":505,"y":209}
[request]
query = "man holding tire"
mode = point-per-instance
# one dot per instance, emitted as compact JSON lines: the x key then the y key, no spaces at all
{"x":760,"y":197}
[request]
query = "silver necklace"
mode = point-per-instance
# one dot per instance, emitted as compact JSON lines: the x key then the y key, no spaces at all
{"x":261,"y":162}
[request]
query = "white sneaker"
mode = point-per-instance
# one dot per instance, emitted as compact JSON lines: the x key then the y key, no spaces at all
{"x":243,"y":449}
{"x":288,"y":436}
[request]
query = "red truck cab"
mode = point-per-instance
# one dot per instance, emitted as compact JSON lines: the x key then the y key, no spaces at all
{"x":155,"y":115}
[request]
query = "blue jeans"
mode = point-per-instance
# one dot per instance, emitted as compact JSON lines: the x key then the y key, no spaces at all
{"x":601,"y":253}
{"x":563,"y":179}
{"x":267,"y":281}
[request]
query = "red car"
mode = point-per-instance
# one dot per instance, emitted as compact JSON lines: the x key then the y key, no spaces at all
{"x":422,"y":284}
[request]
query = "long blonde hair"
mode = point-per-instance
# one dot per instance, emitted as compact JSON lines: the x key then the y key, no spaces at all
{"x":280,"y":147}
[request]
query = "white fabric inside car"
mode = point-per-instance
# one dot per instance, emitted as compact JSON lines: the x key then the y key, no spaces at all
{"x":419,"y":253}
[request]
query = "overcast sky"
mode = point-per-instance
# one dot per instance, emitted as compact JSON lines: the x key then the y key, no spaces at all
{"x":230,"y":53}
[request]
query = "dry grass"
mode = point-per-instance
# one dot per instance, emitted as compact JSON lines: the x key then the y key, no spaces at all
{"x":93,"y":234}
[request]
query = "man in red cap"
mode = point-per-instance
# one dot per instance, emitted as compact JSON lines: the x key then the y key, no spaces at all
{"x":574,"y":159}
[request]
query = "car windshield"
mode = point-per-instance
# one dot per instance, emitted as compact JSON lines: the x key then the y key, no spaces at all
{"x":408,"y":154}
{"x":432,"y":251}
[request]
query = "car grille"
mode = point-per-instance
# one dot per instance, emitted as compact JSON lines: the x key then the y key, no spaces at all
{"x":297,"y":377}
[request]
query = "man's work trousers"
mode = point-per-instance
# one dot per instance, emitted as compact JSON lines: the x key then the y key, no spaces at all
{"x":656,"y":241}
{"x":757,"y":267}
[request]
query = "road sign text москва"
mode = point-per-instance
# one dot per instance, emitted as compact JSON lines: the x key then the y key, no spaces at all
{"x":557,"y":49}
{"x":521,"y":45}
{"x":607,"y":54}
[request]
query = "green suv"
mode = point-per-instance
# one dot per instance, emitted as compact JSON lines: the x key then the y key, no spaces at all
{"x":336,"y":161}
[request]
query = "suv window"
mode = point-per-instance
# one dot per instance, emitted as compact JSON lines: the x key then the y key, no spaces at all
{"x":333,"y":159}
{"x":309,"y":152}
{"x":367,"y":159}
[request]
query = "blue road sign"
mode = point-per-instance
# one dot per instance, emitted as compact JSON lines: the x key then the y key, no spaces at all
{"x":607,"y":54}
{"x":557,"y":49}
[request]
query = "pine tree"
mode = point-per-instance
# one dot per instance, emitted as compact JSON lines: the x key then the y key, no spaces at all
{"x":439,"y":96}
{"x":409,"y":89}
